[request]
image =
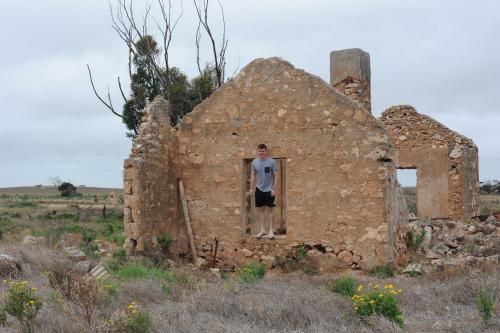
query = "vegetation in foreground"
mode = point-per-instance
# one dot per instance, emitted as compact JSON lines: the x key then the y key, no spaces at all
{"x":179,"y":299}
{"x":146,"y":295}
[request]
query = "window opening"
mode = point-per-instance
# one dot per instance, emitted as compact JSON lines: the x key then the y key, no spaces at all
{"x":408,"y":180}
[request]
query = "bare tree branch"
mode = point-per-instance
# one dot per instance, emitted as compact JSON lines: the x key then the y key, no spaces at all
{"x":124,"y":23}
{"x":108,"y":104}
{"x":121,"y":90}
{"x":198,"y":38}
{"x":218,"y":55}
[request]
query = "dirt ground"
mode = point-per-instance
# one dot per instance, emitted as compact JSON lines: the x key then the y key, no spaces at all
{"x":177,"y":297}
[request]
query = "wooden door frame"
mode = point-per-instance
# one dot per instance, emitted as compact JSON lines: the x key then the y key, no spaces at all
{"x":246,"y":206}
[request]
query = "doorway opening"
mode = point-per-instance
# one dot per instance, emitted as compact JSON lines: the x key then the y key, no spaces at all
{"x":251,"y":213}
{"x":408,"y":180}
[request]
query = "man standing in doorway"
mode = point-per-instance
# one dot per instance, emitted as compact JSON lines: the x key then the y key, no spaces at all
{"x":264,"y":178}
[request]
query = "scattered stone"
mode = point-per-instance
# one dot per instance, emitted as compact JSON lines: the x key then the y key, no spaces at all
{"x":9,"y":266}
{"x":451,"y":224}
{"x":413,"y":269}
{"x":451,"y":243}
{"x":99,"y":272}
{"x":472,"y":229}
{"x":83,"y":267}
{"x":247,"y":253}
{"x":34,"y":241}
{"x":75,"y":254}
{"x":491,"y":219}
{"x":314,"y":253}
{"x":431,"y":255}
{"x":200,"y":262}
{"x":268,"y":261}
{"x":215,"y":271}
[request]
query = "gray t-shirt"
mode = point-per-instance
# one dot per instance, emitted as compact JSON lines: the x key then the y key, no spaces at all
{"x":264,"y":173}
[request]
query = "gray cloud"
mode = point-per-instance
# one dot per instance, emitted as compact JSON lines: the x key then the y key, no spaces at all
{"x":441,"y":57}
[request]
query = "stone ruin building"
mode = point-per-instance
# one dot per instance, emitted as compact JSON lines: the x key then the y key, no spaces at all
{"x":446,"y":163}
{"x":338,"y":189}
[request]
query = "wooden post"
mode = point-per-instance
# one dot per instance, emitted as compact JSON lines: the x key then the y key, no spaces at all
{"x":188,"y":222}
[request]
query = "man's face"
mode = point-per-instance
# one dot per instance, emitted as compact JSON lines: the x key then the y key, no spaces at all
{"x":262,"y":153}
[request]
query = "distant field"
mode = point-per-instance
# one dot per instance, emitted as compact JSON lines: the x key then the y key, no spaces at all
{"x":489,"y":203}
{"x":51,"y":190}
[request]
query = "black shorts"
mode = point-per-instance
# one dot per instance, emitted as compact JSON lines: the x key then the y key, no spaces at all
{"x":263,"y":199}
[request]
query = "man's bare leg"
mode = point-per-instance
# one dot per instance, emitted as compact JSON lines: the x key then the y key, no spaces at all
{"x":271,"y":222}
{"x":261,"y":222}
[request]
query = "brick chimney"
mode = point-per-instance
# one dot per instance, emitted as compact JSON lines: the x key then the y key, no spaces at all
{"x":350,"y":74}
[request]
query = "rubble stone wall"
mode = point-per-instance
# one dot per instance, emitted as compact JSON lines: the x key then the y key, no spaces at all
{"x":446,"y":163}
{"x":146,"y":190}
{"x":350,"y":74}
{"x":339,"y":166}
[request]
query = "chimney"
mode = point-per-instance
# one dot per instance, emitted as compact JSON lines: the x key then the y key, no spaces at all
{"x":350,"y":74}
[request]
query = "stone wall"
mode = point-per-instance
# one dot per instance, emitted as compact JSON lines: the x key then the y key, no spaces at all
{"x":446,"y":163}
{"x":339,"y":166}
{"x":146,"y":189}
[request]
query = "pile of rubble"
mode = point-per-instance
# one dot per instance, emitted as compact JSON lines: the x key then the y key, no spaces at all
{"x":448,"y":243}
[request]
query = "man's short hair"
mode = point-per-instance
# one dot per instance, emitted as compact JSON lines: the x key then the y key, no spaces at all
{"x":262,"y":146}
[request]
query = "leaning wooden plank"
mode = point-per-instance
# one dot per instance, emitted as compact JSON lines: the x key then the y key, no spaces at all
{"x":188,"y":223}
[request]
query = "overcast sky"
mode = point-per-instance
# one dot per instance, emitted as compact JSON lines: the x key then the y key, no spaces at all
{"x":442,"y":57}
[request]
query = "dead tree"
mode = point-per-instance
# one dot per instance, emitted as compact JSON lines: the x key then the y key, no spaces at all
{"x":133,"y":31}
{"x":218,"y":53}
{"x":130,"y":30}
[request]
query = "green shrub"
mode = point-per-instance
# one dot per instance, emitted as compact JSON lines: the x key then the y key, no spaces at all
{"x":120,"y":253}
{"x":384,"y":271}
{"x":114,"y":264}
{"x":293,"y":260}
{"x":74,"y":228}
{"x":22,"y":303}
{"x":300,"y":252}
{"x":23,"y":204}
{"x":251,"y":272}
{"x":111,"y":288}
{"x":345,"y":285}
{"x":485,"y":304}
{"x":378,"y":300}
{"x":130,"y":319}
{"x":311,"y":270}
{"x":119,"y":239}
{"x":139,"y":271}
{"x":165,"y":241}
{"x":166,"y":289}
{"x":413,"y":241}
{"x":88,"y":236}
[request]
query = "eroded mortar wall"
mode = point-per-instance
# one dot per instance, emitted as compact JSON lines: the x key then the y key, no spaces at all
{"x":446,"y":162}
{"x":340,"y":169}
{"x":146,"y":187}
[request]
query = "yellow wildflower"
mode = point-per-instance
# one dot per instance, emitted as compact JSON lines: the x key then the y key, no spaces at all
{"x":360,"y":287}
